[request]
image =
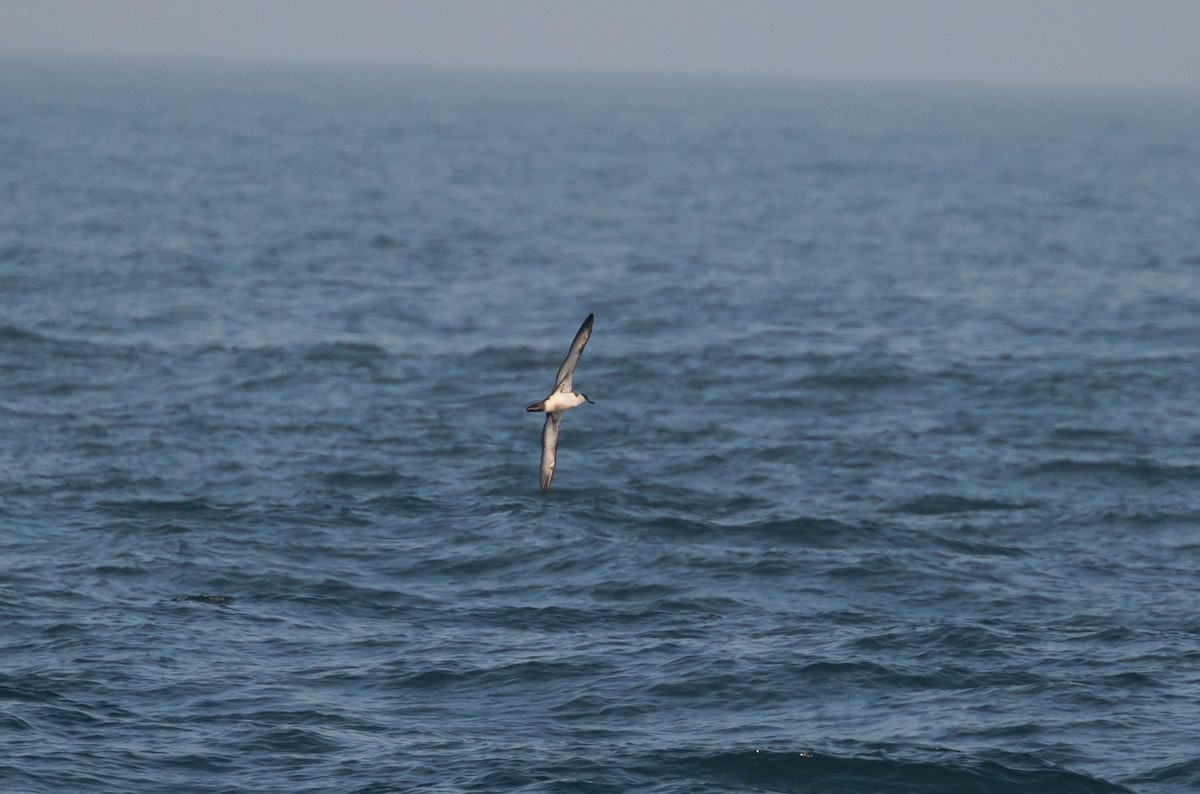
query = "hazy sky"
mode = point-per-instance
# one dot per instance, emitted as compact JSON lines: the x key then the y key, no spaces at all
{"x":1022,"y":42}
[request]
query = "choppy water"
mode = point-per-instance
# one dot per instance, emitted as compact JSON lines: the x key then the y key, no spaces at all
{"x":922,"y":512}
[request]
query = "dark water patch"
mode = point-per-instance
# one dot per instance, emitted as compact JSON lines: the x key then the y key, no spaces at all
{"x":854,"y":380}
{"x":11,"y":722}
{"x":13,"y":333}
{"x":1130,"y":680}
{"x":1155,"y":517}
{"x":1110,"y":634}
{"x":882,"y":567}
{"x":969,"y":641}
{"x":799,"y":530}
{"x":937,"y":504}
{"x":633,"y":591}
{"x":205,"y":598}
{"x":500,"y":677}
{"x":510,"y":359}
{"x":28,"y":689}
{"x":1183,"y":774}
{"x":154,"y":510}
{"x":559,"y":619}
{"x":805,"y":529}
{"x":385,"y":241}
{"x":323,"y":597}
{"x":379,"y":479}
{"x":849,"y":676}
{"x":288,"y":745}
{"x":404,"y":504}
{"x":351,"y":352}
{"x":800,"y":771}
{"x":41,"y":350}
{"x":35,"y":772}
{"x":1142,"y":470}
{"x":965,"y":539}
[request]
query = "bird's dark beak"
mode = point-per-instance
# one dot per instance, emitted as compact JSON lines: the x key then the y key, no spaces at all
{"x":586,"y":398}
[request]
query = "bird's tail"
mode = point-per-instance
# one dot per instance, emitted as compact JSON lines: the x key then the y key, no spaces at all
{"x":537,"y":407}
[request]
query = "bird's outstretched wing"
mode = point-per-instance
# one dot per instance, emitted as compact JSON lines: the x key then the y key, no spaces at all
{"x":549,"y":448}
{"x":562,"y":381}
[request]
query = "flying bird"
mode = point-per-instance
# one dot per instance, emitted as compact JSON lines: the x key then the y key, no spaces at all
{"x":561,"y":398}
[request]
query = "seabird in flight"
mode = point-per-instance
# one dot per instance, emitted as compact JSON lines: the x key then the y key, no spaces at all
{"x":561,"y":398}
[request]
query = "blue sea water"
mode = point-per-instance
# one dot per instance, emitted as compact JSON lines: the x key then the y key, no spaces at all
{"x":891,"y":485}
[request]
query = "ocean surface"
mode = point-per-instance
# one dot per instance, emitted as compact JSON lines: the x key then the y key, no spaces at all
{"x":892,"y":483}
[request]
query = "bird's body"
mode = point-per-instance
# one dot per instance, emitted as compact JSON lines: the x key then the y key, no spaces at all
{"x":561,"y":398}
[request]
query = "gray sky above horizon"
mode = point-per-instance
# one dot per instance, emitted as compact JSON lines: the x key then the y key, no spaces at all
{"x":1120,"y":43}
